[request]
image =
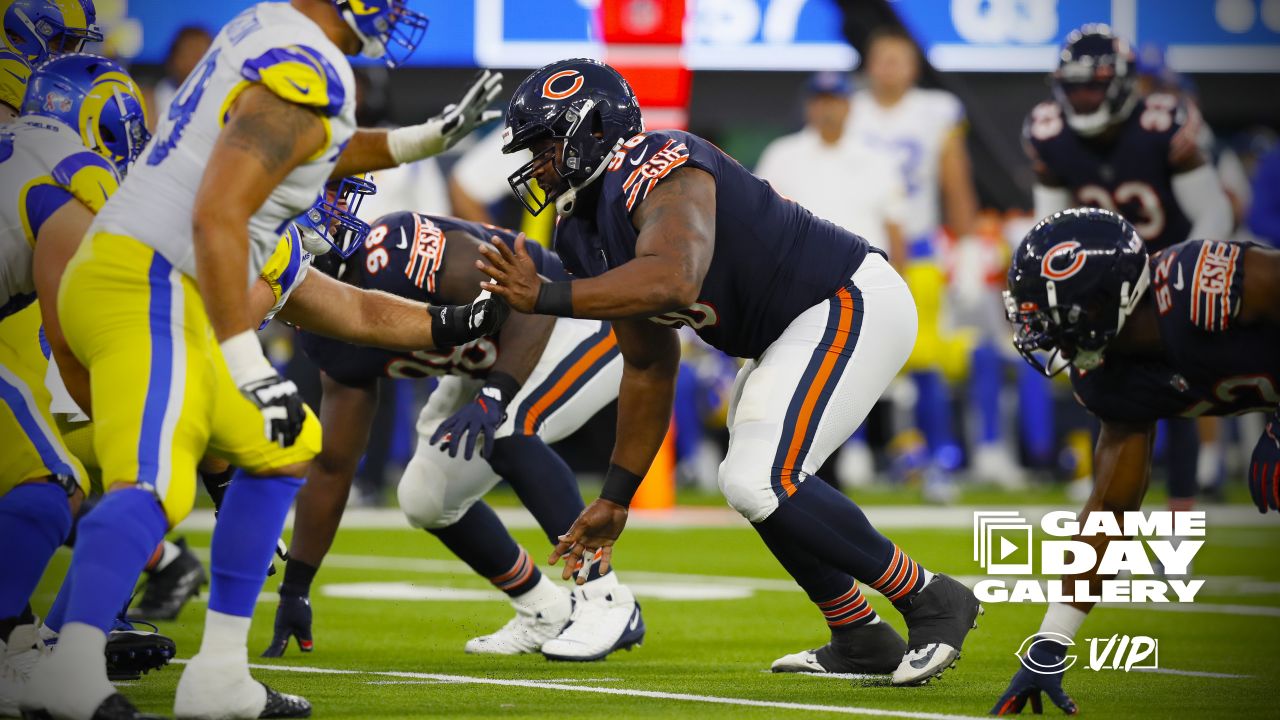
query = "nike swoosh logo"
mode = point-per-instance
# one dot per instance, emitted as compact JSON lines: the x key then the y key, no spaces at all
{"x":635,"y":620}
{"x":638,"y":160}
{"x":1178,"y":284}
{"x":304,"y":89}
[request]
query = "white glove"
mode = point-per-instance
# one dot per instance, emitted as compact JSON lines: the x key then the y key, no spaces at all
{"x":275,"y":397}
{"x":415,"y":142}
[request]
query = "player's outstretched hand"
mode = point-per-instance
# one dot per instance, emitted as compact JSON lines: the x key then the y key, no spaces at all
{"x":597,"y":528}
{"x":457,"y":121}
{"x":515,"y":277}
{"x":1027,"y":685}
{"x":1264,"y":467}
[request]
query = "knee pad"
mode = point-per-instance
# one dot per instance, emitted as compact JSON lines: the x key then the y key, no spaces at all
{"x":747,"y":488}
{"x":423,"y":497}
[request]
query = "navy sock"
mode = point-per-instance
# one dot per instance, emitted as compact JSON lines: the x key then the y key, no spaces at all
{"x":116,"y":540}
{"x":481,"y":541}
{"x":244,"y":539}
{"x":831,"y":527}
{"x":834,"y":592}
{"x":544,"y":483}
{"x":34,"y":520}
{"x":1182,"y":456}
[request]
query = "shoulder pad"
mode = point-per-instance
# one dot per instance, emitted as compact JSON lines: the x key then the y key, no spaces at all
{"x":300,"y":75}
{"x":89,"y":177}
{"x":652,"y":157}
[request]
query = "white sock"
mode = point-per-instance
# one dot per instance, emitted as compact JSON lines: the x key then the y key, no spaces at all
{"x":225,"y":637}
{"x":1064,"y":619}
{"x":80,"y":655}
{"x":928,"y":576}
{"x":167,"y":556}
{"x":544,"y":594}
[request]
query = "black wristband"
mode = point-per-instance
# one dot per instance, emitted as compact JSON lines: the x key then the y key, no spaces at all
{"x":448,"y":325}
{"x":555,"y":298}
{"x":506,"y":386}
{"x":620,"y":485}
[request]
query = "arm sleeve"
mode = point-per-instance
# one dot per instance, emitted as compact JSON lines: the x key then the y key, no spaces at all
{"x":1200,"y":195}
{"x":300,"y":75}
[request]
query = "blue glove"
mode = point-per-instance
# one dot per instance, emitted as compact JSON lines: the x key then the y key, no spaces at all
{"x":481,"y":416}
{"x":1027,"y":685}
{"x":1264,"y":467}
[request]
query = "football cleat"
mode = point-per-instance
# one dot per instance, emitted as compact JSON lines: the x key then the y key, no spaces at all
{"x":132,"y":652}
{"x":293,"y":619}
{"x":541,"y":614}
{"x":868,"y":650}
{"x":169,"y":589}
{"x":223,"y":689}
{"x":606,"y":617}
{"x":1027,"y":685}
{"x":938,"y":619}
{"x":115,"y":707}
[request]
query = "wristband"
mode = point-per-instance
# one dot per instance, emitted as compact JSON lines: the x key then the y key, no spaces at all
{"x":245,"y":361}
{"x":415,"y":142}
{"x":620,"y":485}
{"x":448,"y":325}
{"x":555,"y":298}
{"x":505,"y":386}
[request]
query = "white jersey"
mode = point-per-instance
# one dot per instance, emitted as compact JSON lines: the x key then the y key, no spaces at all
{"x":43,"y":165}
{"x":851,"y":184}
{"x":913,"y":131}
{"x":271,"y":44}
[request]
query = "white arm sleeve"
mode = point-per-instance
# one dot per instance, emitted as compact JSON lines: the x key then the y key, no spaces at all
{"x":1049,"y":200}
{"x":1200,"y":195}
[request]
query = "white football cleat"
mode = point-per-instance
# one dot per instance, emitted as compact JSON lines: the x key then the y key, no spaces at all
{"x":80,"y":656}
{"x":12,"y":684}
{"x":994,"y":463}
{"x":541,"y":614}
{"x":221,"y":688}
{"x":606,"y":617}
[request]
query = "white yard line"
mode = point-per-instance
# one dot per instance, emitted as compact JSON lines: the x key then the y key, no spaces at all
{"x":906,"y":517}
{"x":1194,"y":673}
{"x":654,"y":694}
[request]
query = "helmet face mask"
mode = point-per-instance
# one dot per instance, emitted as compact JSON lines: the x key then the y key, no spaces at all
{"x":388,"y":29}
{"x":1095,"y":82}
{"x":40,"y":29}
{"x":1075,"y":279}
{"x":332,"y":220}
{"x":573,"y":115}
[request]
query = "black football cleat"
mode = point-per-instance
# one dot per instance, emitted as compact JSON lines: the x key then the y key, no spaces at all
{"x":168,"y":590}
{"x":132,"y":652}
{"x":115,"y":707}
{"x":938,"y":619}
{"x":293,"y":619}
{"x":868,"y":650}
{"x":280,"y":705}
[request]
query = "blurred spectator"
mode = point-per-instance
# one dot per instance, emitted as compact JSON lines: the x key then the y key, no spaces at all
{"x":820,"y":167}
{"x":189,"y":44}
{"x":1264,"y":215}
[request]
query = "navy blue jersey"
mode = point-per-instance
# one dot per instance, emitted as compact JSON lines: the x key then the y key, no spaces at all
{"x":1211,"y":365}
{"x":772,"y":261}
{"x":402,"y":255}
{"x":1130,"y":173}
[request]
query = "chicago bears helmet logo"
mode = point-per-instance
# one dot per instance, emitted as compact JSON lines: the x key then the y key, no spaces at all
{"x":574,"y":86}
{"x":1055,"y":270}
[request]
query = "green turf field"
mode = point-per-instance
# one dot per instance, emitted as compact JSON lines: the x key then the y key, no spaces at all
{"x":707,"y":658}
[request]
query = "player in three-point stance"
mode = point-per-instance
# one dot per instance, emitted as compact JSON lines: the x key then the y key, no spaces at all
{"x":663,"y":229}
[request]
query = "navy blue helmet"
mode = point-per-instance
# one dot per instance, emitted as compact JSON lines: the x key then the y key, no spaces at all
{"x":1075,"y":278}
{"x":587,"y":109}
{"x":1095,"y":80}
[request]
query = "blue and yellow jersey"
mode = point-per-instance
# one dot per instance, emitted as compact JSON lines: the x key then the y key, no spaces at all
{"x":269,"y":44}
{"x":14,"y":73}
{"x":285,"y":269}
{"x":43,"y":166}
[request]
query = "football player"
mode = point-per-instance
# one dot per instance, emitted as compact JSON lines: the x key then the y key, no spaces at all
{"x":14,"y":72}
{"x":663,"y":229}
{"x":1187,"y":331}
{"x":535,"y":383}
{"x":39,"y":29}
{"x":1099,"y":144}
{"x":81,"y":125}
{"x":174,"y":366}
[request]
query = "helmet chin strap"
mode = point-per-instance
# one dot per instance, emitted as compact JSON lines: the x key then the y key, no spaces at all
{"x":565,"y":203}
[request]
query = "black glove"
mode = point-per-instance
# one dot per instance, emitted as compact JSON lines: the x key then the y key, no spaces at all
{"x":1264,"y":466}
{"x":1027,"y":684}
{"x":293,"y":619}
{"x":459,"y":324}
{"x":282,"y":408}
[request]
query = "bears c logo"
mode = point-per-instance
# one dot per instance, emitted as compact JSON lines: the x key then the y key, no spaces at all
{"x":1054,"y":270}
{"x":574,"y":86}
